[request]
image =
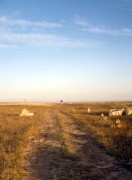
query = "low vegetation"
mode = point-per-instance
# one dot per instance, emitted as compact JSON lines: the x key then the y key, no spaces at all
{"x":116,"y":140}
{"x":69,"y":150}
{"x":15,"y":132}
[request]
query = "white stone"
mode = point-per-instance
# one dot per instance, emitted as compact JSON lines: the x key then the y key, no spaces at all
{"x":25,"y":112}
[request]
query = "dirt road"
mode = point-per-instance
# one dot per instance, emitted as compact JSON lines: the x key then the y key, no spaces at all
{"x":64,"y":151}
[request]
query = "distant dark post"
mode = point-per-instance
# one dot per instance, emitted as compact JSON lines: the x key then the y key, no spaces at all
{"x":61,"y":101}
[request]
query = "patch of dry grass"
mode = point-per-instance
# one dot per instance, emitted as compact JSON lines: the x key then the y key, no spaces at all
{"x":69,"y":150}
{"x":117,"y":141}
{"x":15,"y":132}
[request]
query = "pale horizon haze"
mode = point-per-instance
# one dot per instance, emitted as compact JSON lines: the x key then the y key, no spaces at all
{"x":75,"y":50}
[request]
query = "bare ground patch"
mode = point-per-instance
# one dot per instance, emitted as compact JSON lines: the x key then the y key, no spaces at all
{"x":64,"y":151}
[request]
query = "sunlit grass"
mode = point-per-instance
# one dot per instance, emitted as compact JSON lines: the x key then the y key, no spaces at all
{"x":69,"y":150}
{"x":116,"y":141}
{"x":15,"y":132}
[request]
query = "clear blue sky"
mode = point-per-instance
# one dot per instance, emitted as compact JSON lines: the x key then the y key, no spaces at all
{"x":75,"y":50}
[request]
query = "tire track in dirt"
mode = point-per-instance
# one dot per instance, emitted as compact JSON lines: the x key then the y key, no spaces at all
{"x":41,"y":150}
{"x":64,"y":151}
{"x":94,"y":160}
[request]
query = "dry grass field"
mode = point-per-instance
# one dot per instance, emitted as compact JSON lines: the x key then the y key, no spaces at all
{"x":115,"y":140}
{"x":64,"y":142}
{"x":15,"y":132}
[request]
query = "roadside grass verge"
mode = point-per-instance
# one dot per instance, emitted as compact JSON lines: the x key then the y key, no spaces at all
{"x":69,"y":149}
{"x":15,"y":132}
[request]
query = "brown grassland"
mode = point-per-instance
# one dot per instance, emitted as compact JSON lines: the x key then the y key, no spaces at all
{"x":15,"y":132}
{"x":116,"y":141}
{"x":68,"y":125}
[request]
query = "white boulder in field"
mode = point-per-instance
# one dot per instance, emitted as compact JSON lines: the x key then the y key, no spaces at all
{"x":25,"y":112}
{"x":102,"y":115}
{"x":89,"y":110}
{"x":114,"y":112}
{"x":129,"y":111}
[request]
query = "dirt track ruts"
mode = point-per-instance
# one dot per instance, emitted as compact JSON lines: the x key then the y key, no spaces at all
{"x":50,"y":157}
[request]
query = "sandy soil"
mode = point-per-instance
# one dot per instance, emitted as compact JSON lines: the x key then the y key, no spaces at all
{"x":45,"y":157}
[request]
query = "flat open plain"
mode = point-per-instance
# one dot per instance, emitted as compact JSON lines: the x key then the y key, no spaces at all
{"x":64,"y":141}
